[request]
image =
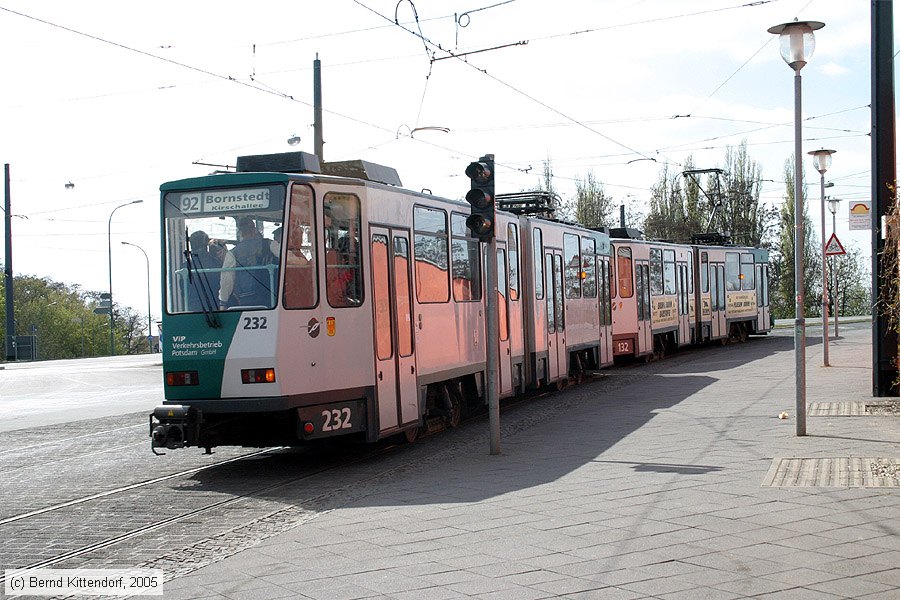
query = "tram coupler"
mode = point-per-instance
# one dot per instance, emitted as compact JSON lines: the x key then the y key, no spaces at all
{"x":171,"y":426}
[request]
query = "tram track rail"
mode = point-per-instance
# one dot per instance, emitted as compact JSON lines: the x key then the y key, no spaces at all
{"x":183,"y":516}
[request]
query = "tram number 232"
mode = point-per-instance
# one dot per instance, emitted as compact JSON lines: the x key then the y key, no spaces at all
{"x":337,"y":418}
{"x":331,"y":419}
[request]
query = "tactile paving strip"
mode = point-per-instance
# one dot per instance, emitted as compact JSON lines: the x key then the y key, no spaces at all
{"x":833,"y":472}
{"x":851,"y":409}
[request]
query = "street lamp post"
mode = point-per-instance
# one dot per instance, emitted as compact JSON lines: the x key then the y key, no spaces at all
{"x":149,"y":317}
{"x":833,"y":204}
{"x":112,"y":324}
{"x":822,"y":161}
{"x":797,"y":45}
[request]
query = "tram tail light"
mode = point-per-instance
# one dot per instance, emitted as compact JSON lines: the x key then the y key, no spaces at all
{"x":179,"y":378}
{"x":258,"y":375}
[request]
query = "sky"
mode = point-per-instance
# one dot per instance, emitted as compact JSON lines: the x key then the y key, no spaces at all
{"x":117,"y":98}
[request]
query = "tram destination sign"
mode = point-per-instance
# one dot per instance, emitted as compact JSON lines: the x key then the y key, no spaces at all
{"x":219,"y":201}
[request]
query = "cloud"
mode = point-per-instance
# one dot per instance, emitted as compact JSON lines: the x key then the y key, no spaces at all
{"x":832,"y":69}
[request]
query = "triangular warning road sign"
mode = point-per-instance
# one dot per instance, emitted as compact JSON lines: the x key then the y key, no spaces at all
{"x":834,"y":246}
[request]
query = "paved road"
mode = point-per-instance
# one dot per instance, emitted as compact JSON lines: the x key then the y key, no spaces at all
{"x":63,"y":391}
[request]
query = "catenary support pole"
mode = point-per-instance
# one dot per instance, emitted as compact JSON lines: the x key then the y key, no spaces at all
{"x":884,"y":182}
{"x":8,"y":273}
{"x":799,"y":321}
{"x":318,"y":142}
{"x":492,"y":336}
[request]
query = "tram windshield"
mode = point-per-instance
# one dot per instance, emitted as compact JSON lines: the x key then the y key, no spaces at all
{"x":223,"y":248}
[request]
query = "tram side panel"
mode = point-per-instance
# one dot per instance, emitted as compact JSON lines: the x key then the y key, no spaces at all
{"x":632,"y":329}
{"x":511,"y":331}
{"x":535,"y":303}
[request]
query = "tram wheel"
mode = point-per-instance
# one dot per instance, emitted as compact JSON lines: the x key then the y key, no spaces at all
{"x":411,"y":435}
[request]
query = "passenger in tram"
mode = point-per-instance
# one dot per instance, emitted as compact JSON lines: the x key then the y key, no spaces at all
{"x":343,"y":273}
{"x":245,"y":281}
{"x":206,"y":256}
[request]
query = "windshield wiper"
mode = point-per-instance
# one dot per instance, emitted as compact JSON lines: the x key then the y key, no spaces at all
{"x":204,"y":290}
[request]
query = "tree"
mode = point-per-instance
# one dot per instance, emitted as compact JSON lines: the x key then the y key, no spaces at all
{"x":593,"y":208}
{"x":61,"y":318}
{"x":728,"y":203}
{"x":674,"y":211}
{"x":782,"y":284}
{"x":854,"y":283}
{"x":740,"y":213}
{"x":545,"y":184}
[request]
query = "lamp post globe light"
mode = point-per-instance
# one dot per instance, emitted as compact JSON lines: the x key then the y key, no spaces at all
{"x":833,"y":205}
{"x":112,"y":324}
{"x":149,"y":317}
{"x":797,"y":45}
{"x":822,"y":161}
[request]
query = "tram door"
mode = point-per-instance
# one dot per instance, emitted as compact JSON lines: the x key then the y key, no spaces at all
{"x":717,"y":298}
{"x":556,"y":327}
{"x":684,"y":304}
{"x":505,"y":362}
{"x":603,"y":293}
{"x":395,"y":361}
{"x":644,"y":325}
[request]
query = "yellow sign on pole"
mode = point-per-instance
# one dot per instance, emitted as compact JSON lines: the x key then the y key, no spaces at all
{"x":860,"y":215}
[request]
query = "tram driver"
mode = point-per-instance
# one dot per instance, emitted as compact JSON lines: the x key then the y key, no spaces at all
{"x":245,"y":280}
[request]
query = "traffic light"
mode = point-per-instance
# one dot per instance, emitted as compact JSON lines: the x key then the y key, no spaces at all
{"x":481,"y":197}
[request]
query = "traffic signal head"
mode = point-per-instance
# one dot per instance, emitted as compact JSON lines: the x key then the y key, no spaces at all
{"x":481,"y":197}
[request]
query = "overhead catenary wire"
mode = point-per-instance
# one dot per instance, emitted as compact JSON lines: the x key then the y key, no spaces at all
{"x":507,"y":85}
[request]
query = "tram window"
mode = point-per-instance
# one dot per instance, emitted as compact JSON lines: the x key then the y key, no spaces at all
{"x":714,"y":294}
{"x":639,"y":277}
{"x":381,"y":294}
{"x":690,"y":276}
{"x":720,"y":275}
{"x":573,"y":265}
{"x":538,"y":252}
{"x":465,"y":254}
{"x":219,"y":254}
{"x":608,"y":289}
{"x":557,"y":291}
{"x":648,"y":315}
{"x":669,"y":271}
{"x":430,"y":248}
{"x":300,"y":285}
{"x":502,"y":295}
{"x":764,"y":283}
{"x":612,"y":280}
{"x":401,"y":289}
{"x":551,"y":305}
{"x":343,"y":276}
{"x":656,"y":272}
{"x":732,"y":271}
{"x":704,"y":273}
{"x":589,"y":267}
{"x":747,"y":271}
{"x":759,"y":278}
{"x":623,"y":271}
{"x":512,"y":243}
